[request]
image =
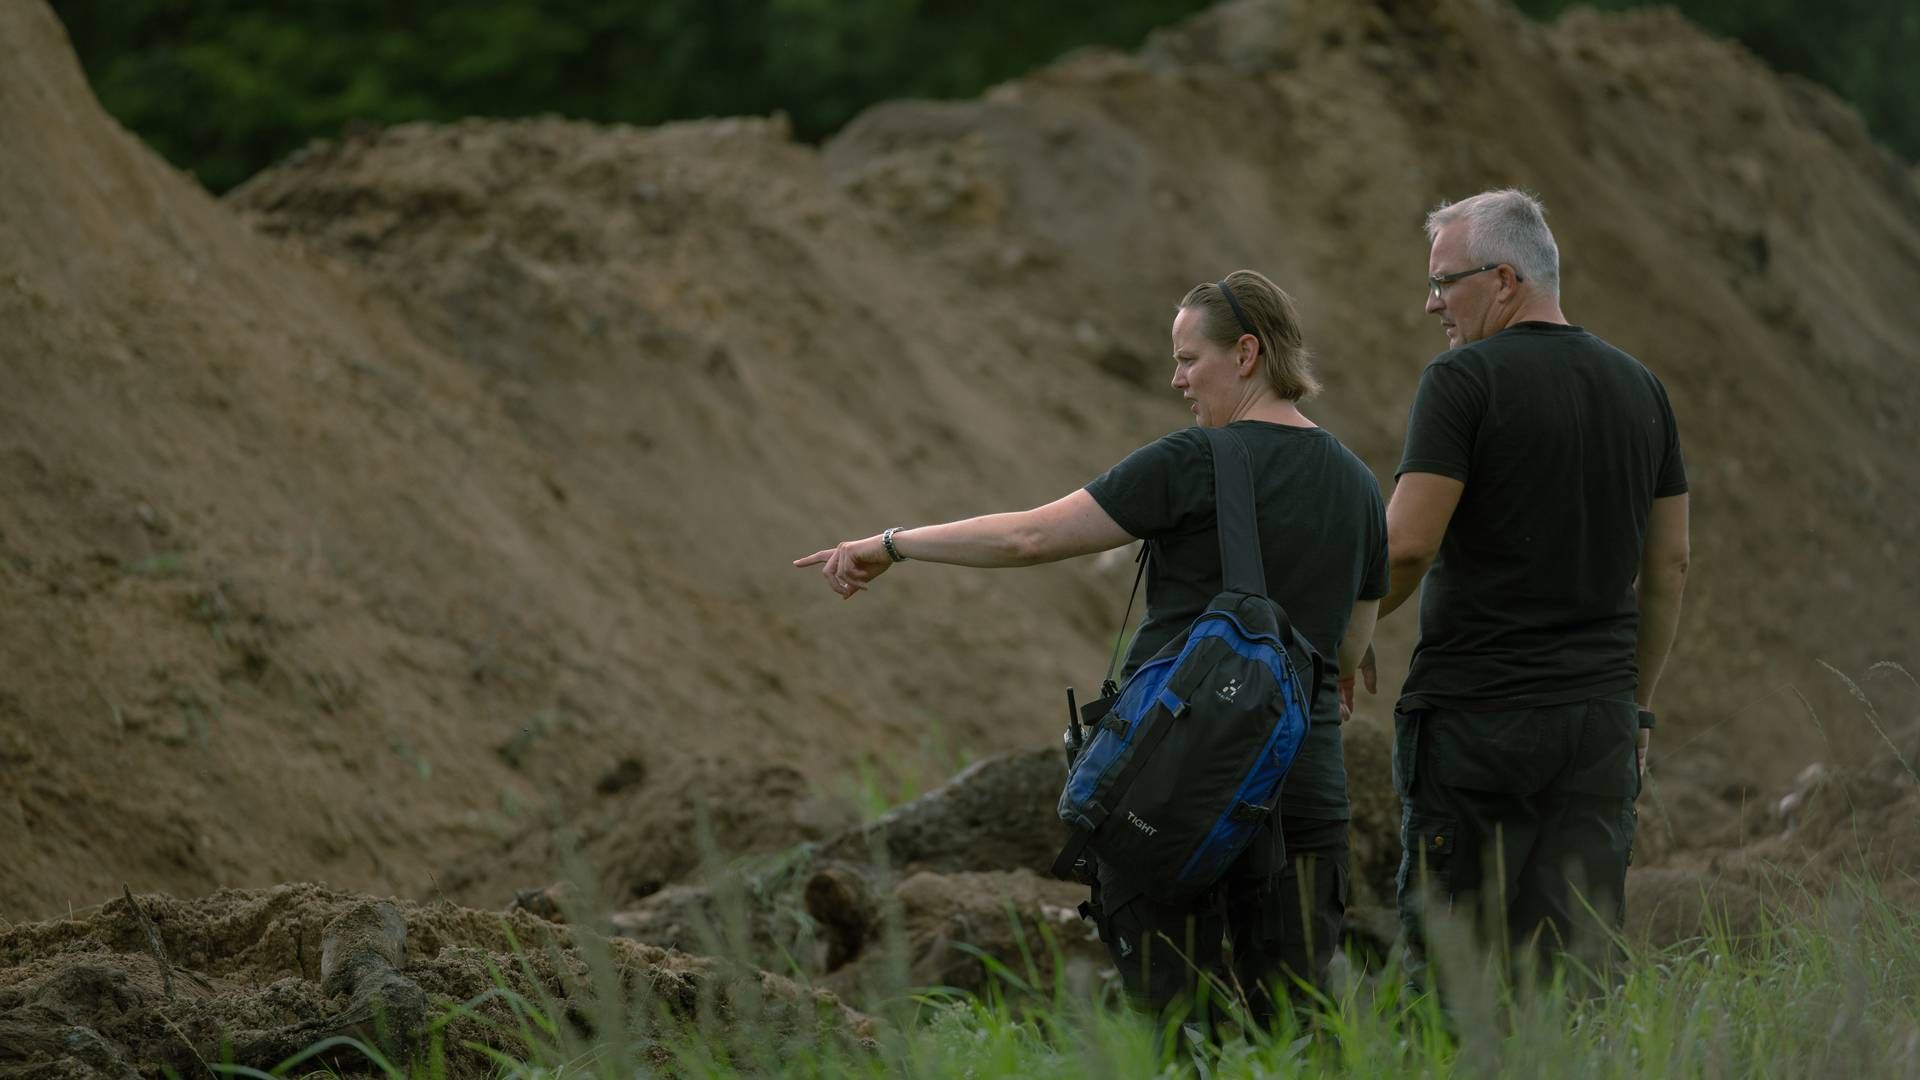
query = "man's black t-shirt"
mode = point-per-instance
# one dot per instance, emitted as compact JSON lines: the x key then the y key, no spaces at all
{"x":1563,"y":443}
{"x":1323,"y":535}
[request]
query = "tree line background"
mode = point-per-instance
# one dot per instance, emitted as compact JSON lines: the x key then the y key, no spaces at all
{"x":223,"y":88}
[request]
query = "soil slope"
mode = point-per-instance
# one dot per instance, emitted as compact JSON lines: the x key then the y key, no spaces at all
{"x":426,"y":507}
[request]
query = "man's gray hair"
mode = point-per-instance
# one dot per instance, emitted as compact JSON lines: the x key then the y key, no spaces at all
{"x":1506,"y":226}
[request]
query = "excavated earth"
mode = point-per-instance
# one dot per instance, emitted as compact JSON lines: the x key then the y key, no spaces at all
{"x":254,"y":977}
{"x":416,"y":519}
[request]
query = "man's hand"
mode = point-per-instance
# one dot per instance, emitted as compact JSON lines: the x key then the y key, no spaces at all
{"x":1346,"y":698}
{"x":851,"y":565}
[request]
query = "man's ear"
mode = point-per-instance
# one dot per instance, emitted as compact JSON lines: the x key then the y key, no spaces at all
{"x":1509,"y":277}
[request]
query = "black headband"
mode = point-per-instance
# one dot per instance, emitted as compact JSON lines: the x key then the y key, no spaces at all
{"x":1245,"y":326}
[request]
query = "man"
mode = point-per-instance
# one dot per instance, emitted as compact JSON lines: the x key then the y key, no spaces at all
{"x":1542,"y":498}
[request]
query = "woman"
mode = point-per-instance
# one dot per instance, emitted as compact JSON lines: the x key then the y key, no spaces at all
{"x":1238,"y":360}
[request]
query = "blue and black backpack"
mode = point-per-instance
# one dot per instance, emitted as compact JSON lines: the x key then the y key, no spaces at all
{"x":1185,"y":760}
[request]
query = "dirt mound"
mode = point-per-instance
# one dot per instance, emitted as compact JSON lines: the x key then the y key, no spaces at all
{"x":1862,"y":828}
{"x":947,"y":890}
{"x":993,"y":815}
{"x":149,"y":984}
{"x":432,"y":497}
{"x":1835,"y":824}
{"x":933,"y":247}
{"x":306,"y":579}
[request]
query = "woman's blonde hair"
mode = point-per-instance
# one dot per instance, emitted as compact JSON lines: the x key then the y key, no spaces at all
{"x":1270,"y":317}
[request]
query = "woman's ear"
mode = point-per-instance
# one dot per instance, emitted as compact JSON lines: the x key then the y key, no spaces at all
{"x":1247,"y":353}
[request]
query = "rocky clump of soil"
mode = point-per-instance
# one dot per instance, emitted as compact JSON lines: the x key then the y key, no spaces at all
{"x":950,"y":889}
{"x":917,"y":897}
{"x":146,"y":984}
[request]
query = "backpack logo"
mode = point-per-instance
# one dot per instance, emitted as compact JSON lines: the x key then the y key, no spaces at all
{"x":1228,"y":692}
{"x":1141,"y":825}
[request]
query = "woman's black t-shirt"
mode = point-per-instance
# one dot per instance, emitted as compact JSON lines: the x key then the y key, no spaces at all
{"x":1323,"y":537}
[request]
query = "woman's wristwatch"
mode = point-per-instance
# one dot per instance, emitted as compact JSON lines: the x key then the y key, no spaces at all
{"x":886,"y":541}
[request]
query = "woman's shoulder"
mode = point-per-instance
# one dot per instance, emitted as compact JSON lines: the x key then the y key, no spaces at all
{"x":1180,"y":442}
{"x":1172,"y":454}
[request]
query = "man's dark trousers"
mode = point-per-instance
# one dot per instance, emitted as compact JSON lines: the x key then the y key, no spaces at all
{"x":1521,"y":819}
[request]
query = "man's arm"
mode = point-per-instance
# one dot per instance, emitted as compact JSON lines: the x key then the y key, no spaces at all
{"x":1663,"y":577}
{"x":1417,"y":517}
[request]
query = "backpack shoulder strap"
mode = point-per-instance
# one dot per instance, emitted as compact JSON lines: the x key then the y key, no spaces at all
{"x":1241,"y":569}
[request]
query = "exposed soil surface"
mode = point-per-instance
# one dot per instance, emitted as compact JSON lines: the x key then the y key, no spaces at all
{"x":418,"y":516}
{"x":253,"y":977}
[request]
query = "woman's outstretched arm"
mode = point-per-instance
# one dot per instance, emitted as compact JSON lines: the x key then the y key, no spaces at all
{"x":1062,"y":529}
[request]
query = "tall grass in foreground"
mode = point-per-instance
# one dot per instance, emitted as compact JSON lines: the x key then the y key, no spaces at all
{"x":1832,"y":991}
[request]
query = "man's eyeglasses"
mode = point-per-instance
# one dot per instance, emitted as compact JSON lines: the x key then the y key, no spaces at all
{"x":1434,"y":284}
